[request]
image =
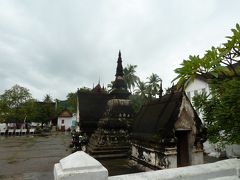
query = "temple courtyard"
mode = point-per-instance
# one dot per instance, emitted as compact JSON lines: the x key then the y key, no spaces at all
{"x":33,"y":157}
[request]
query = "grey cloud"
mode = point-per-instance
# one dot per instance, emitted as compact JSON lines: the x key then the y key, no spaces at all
{"x":57,"y":46}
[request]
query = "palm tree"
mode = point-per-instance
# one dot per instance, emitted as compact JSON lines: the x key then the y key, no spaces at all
{"x":141,"y":89}
{"x":130,"y":77}
{"x":153,"y":85}
{"x":47,"y":99}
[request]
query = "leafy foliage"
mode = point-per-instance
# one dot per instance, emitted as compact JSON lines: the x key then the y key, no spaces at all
{"x":137,"y":102}
{"x":44,"y":112}
{"x":221,"y":112}
{"x":48,"y":99}
{"x":17,"y":105}
{"x":130,"y":77}
{"x":72,"y":101}
{"x":218,"y":61}
{"x":14,"y":104}
{"x":153,"y":85}
{"x":221,"y":66}
{"x":141,"y":90}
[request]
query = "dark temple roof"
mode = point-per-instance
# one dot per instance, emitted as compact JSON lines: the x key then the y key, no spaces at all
{"x":157,"y":118}
{"x":91,"y":106}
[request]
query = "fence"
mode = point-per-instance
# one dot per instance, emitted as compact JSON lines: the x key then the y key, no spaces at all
{"x":82,"y":166}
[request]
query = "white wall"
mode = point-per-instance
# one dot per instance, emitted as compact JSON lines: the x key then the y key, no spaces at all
{"x":197,"y":86}
{"x":3,"y":126}
{"x":67,"y":121}
{"x":82,"y":166}
{"x":226,"y":169}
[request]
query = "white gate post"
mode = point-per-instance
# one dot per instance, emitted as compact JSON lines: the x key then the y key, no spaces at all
{"x":79,"y":165}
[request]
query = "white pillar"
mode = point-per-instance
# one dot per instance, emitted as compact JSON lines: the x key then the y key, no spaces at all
{"x":79,"y":165}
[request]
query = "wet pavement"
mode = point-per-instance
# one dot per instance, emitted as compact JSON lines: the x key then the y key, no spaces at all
{"x":32,"y":157}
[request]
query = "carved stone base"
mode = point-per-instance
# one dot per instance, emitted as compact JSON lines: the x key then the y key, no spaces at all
{"x":154,"y":158}
{"x":108,"y":144}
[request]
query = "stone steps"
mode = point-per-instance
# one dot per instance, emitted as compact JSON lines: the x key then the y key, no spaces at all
{"x":108,"y":152}
{"x":102,"y":156}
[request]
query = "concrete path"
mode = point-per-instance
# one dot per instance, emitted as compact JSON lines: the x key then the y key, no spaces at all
{"x":32,"y":157}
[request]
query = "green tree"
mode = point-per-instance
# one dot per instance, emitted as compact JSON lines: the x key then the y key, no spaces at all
{"x":130,"y":77}
{"x":141,"y":90}
{"x":29,"y":110}
{"x":47,"y":99}
{"x":153,"y":85}
{"x":85,"y":89}
{"x":44,"y":112}
{"x":72,"y":101}
{"x":14,"y":103}
{"x":137,"y":102}
{"x":221,"y":66}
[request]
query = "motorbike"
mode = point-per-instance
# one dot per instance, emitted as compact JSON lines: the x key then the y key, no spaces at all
{"x":79,"y":142}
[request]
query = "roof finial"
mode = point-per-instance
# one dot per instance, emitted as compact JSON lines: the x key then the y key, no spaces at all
{"x":119,"y":71}
{"x":160,"y":89}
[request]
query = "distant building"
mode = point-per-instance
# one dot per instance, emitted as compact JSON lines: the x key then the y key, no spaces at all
{"x":197,"y":86}
{"x":66,"y":120}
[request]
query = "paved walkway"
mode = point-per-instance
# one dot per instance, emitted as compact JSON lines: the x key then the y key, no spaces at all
{"x":32,"y":157}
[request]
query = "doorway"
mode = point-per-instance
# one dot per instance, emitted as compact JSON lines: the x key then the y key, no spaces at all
{"x":182,"y":148}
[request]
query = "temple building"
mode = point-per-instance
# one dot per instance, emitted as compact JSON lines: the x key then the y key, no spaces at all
{"x":66,"y":120}
{"x":111,"y":139}
{"x":91,"y":106}
{"x":167,"y":133}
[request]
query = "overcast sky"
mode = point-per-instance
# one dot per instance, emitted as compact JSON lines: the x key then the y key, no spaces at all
{"x":56,"y":46}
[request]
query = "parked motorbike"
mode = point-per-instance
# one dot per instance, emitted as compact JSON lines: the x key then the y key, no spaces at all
{"x":79,"y":142}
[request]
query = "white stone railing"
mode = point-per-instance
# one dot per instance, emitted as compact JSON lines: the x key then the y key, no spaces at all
{"x":82,"y":166}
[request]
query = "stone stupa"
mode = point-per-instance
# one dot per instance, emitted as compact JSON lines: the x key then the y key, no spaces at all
{"x":111,"y":139}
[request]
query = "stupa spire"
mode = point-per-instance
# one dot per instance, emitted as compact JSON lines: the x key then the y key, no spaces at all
{"x":119,"y":71}
{"x":119,"y":87}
